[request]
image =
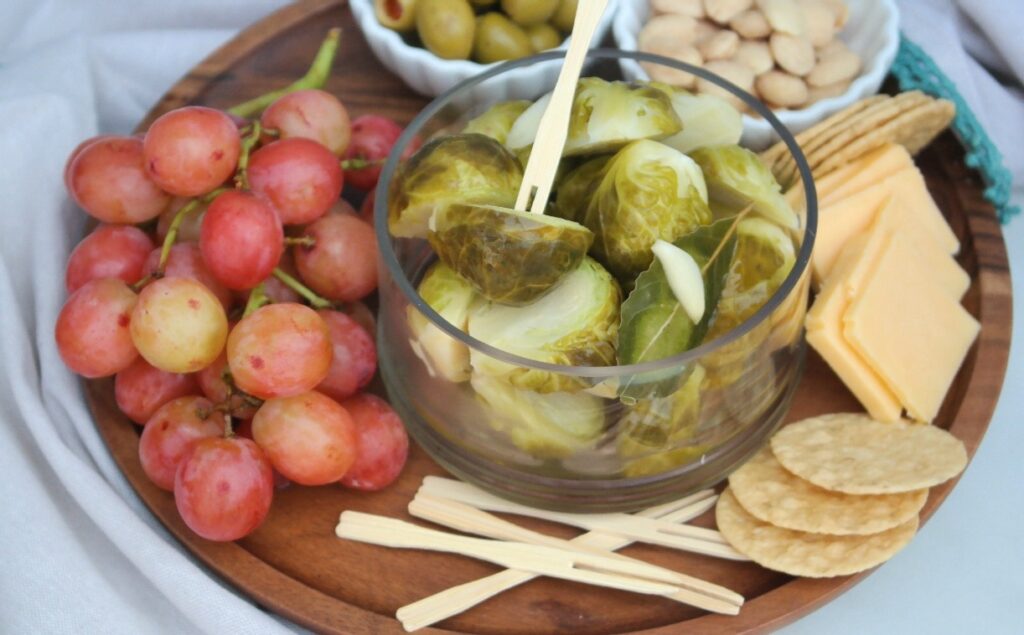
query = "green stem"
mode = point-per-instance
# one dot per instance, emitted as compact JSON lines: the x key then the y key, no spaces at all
{"x":141,"y":283}
{"x":303,"y":241}
{"x":248,"y":143}
{"x":179,"y":218}
{"x":725,"y":239}
{"x":315,"y":77}
{"x":257,"y":298}
{"x":359,"y":164}
{"x":303,"y":290}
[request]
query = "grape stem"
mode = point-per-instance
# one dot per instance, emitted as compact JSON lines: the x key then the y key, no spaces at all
{"x":229,"y":431}
{"x":360,"y":164}
{"x":248,"y":143}
{"x":257,"y":298}
{"x":303,"y":241}
{"x":179,"y":218}
{"x":303,"y":290}
{"x":315,"y":77}
{"x":142,"y":282}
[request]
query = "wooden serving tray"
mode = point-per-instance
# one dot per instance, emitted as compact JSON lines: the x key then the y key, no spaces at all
{"x":295,"y":566}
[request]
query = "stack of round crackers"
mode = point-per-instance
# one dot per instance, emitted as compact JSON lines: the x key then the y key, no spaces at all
{"x":911,"y":119}
{"x":836,"y":494}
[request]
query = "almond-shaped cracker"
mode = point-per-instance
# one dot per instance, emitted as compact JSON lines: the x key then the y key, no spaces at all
{"x":854,"y":454}
{"x":805,"y":554}
{"x":774,"y":495}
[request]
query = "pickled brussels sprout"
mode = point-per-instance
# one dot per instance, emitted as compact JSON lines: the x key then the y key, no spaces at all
{"x":508,"y":256}
{"x":467,"y":168}
{"x":608,"y":115}
{"x":648,"y":191}
{"x":574,"y":324}
{"x":552,"y":425}
{"x":497,"y":121}
{"x":737,"y":177}
{"x":707,"y":121}
{"x":653,"y":422}
{"x":572,"y":195}
{"x":451,"y":296}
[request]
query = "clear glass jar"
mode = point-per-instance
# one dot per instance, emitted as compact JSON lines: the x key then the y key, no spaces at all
{"x":583,"y":447}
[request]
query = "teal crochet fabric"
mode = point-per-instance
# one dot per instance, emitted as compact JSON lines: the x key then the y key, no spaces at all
{"x":913,"y":69}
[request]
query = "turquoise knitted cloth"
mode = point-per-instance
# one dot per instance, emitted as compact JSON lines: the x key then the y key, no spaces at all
{"x":913,"y":69}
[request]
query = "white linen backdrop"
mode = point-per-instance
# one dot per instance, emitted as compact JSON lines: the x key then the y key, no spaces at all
{"x":80,"y":553}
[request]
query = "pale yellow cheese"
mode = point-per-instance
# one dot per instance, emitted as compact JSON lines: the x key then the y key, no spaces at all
{"x":913,"y":192}
{"x":825,"y":328}
{"x":866,"y":171}
{"x":841,"y":222}
{"x":909,"y":329}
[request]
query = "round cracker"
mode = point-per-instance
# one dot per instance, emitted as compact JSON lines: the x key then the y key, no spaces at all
{"x":854,"y":454}
{"x":773,"y":495}
{"x":802,"y":553}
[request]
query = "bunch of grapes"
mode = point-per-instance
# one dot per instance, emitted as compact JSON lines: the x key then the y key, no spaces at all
{"x":222,"y":289}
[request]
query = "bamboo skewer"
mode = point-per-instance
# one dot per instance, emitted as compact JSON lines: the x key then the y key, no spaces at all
{"x":650,"y":530}
{"x":554,"y":123}
{"x":599,"y":570}
{"x":437,"y":607}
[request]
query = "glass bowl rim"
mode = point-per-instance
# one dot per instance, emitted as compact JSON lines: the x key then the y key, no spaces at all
{"x":387,"y":253}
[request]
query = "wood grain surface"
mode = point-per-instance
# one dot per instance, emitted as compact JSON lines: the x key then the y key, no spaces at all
{"x":294,"y":565}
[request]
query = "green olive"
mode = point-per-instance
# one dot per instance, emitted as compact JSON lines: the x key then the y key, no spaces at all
{"x":529,"y":12}
{"x":483,"y":4}
{"x":498,"y":38}
{"x":543,"y":37}
{"x":446,"y":27}
{"x":398,"y":15}
{"x":565,"y":15}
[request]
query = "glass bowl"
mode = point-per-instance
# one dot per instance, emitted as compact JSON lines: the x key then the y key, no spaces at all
{"x":584,"y":448}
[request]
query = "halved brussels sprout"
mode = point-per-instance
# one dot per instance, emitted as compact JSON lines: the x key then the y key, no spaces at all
{"x":737,"y":177}
{"x":653,"y":422}
{"x":552,"y":425}
{"x":573,"y":194}
{"x":467,"y":168}
{"x":648,"y":191}
{"x":451,"y":296}
{"x":575,"y":324}
{"x":707,"y":121}
{"x":497,"y":121}
{"x":608,"y":115}
{"x":508,"y":256}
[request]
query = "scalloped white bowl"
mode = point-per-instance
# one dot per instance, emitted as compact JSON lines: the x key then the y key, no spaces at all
{"x":872,"y":32}
{"x":430,"y":75}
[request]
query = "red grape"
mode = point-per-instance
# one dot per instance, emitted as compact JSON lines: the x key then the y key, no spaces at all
{"x":383,"y":444}
{"x":244,"y":428}
{"x":108,"y":180}
{"x":211,"y":382}
{"x":188,"y":230}
{"x":355,"y":357}
{"x":342,"y":263}
{"x":191,"y":151}
{"x":171,"y":433}
{"x":311,"y":114}
{"x":241,"y":239}
{"x":341,"y":206}
{"x":309,"y":438}
{"x":186,"y":261}
{"x":74,"y":155}
{"x":277,"y":291}
{"x":373,"y":137}
{"x":110,"y":251}
{"x":279,"y":350}
{"x":178,"y":325}
{"x":92,"y":332}
{"x":223,"y":488}
{"x":366,"y":209}
{"x":300,"y":177}
{"x":363,"y":316}
{"x":141,"y":389}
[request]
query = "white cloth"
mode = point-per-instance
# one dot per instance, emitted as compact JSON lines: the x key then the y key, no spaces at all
{"x":80,"y":554}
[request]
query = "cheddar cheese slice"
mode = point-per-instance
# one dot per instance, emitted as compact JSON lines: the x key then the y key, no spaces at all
{"x":842,"y":222}
{"x":909,"y":329}
{"x":825,"y":327}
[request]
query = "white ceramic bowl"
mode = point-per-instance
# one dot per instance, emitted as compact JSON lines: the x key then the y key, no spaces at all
{"x":430,"y":75}
{"x":872,"y":32}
